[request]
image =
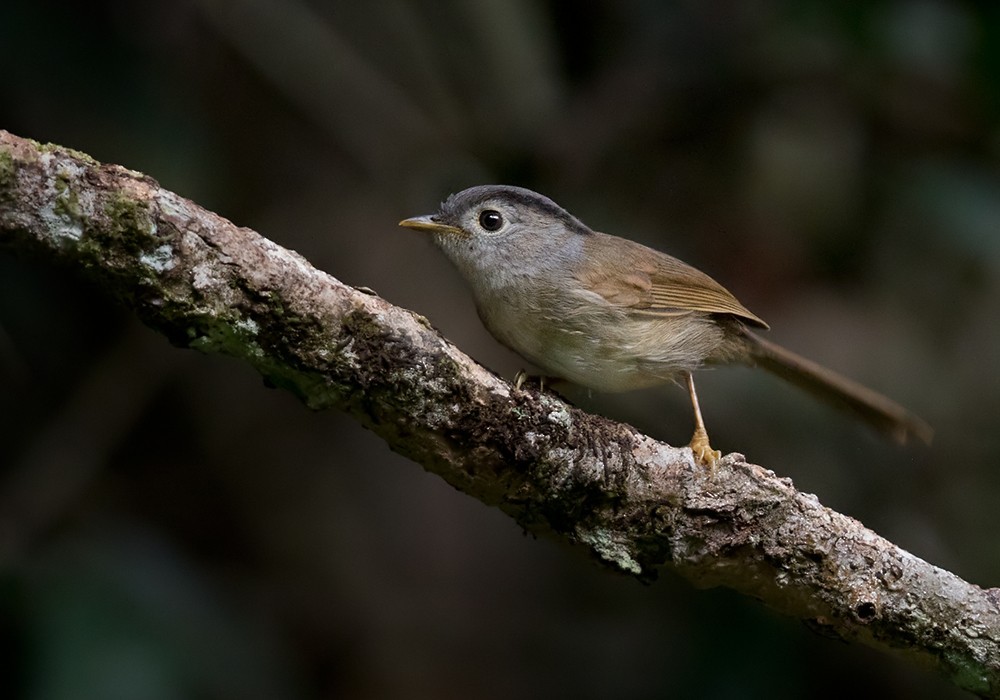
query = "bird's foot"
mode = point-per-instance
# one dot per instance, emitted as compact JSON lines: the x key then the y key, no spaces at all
{"x":522,"y":378}
{"x":702,"y":449}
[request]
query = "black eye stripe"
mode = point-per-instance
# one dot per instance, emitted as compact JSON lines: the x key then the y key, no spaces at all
{"x":490,"y":219}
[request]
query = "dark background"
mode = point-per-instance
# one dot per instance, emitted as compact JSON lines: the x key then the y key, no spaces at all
{"x":169,"y":528}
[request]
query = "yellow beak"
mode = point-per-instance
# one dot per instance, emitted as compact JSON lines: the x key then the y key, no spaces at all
{"x":427,"y":223}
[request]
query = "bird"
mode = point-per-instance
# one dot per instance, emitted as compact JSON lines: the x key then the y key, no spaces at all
{"x":613,"y":315}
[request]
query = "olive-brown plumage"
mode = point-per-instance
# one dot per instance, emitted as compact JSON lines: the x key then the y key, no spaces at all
{"x":612,"y":314}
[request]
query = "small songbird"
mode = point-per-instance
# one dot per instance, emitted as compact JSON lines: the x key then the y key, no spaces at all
{"x":613,"y":315}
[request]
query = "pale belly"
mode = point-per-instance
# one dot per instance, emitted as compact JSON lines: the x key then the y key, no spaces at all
{"x":607,"y":349}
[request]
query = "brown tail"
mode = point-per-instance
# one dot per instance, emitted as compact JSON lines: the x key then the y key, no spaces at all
{"x":882,"y":413}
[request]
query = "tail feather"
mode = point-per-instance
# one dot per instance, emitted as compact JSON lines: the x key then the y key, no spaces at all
{"x":882,"y":413}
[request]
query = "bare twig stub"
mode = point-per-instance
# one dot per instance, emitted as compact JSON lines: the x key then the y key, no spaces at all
{"x":638,"y":505}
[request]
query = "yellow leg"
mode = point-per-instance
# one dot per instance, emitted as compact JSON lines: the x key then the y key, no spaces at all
{"x":700,"y":446}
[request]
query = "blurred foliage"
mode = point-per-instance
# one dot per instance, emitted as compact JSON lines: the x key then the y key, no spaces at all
{"x":170,"y":529}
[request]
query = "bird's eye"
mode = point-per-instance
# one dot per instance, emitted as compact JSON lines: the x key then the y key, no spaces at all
{"x":490,"y":219}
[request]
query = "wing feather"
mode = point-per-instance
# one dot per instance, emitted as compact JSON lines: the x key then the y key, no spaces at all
{"x":648,"y":282}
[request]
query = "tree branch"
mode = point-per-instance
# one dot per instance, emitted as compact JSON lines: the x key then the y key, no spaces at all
{"x":638,"y":505}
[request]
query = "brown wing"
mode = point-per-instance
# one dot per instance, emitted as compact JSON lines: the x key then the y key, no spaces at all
{"x":646,"y":281}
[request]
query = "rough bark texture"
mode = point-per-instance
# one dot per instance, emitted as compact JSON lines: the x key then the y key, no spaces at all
{"x":635,"y":503}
